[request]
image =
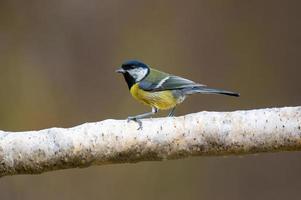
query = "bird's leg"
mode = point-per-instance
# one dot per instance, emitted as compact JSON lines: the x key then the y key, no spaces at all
{"x":144,"y":115}
{"x":172,"y":112}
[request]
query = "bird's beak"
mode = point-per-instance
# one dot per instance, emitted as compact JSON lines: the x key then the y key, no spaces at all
{"x":120,"y":70}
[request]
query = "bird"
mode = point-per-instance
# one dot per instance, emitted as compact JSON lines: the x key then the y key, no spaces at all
{"x":160,"y":90}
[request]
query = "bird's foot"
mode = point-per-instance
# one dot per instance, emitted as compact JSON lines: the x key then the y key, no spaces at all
{"x":136,"y":120}
{"x":172,"y":112}
{"x":171,"y":115}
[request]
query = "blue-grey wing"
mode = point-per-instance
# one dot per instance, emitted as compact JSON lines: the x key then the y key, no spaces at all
{"x":168,"y":83}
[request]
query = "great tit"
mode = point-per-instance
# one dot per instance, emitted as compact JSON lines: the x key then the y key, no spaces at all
{"x":160,"y":90}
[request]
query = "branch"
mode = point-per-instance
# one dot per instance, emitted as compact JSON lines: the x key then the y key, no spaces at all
{"x":117,"y":141}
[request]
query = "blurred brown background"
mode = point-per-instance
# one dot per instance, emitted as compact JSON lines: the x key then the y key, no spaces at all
{"x":57,"y":62}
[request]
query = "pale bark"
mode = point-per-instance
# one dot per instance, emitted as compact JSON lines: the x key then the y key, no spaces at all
{"x":117,"y":141}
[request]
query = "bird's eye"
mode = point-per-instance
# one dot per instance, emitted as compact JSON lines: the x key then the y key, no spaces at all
{"x":128,"y":67}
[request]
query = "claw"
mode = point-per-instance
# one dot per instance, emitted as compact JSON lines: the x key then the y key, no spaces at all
{"x":137,"y":121}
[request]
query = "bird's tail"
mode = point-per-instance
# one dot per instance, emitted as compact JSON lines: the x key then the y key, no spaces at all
{"x":205,"y":90}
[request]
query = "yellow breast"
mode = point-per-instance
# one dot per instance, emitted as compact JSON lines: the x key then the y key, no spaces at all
{"x":162,"y":100}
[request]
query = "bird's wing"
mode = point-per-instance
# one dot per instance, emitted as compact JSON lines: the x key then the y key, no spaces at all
{"x":169,"y":82}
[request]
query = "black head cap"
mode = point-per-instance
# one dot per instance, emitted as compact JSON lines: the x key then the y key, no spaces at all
{"x":132,"y":64}
{"x":133,"y":71}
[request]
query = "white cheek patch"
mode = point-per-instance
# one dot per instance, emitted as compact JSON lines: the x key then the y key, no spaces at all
{"x":138,"y":74}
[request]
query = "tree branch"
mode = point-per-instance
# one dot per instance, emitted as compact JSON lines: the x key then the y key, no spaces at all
{"x":117,"y":141}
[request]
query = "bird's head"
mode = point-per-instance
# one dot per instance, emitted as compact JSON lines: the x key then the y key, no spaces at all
{"x":133,"y":71}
